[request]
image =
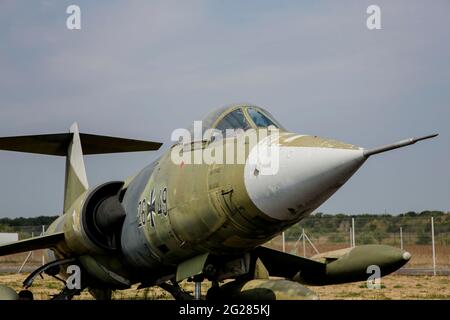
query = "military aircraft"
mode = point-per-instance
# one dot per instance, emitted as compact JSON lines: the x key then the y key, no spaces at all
{"x":199,"y":221}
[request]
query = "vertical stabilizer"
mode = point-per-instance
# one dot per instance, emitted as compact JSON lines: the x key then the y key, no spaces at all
{"x":76,"y":180}
{"x":72,"y":145}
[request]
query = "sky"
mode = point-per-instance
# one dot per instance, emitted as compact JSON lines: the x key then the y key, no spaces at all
{"x":140,"y":69}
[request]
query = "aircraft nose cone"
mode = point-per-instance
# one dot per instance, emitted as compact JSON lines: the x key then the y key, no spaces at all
{"x":304,"y":177}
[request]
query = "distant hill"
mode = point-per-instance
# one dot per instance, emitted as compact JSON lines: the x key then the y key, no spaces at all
{"x":370,"y":228}
{"x":20,"y":222}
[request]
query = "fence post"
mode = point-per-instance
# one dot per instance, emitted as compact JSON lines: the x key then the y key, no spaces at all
{"x":304,"y":244}
{"x":284,"y":242}
{"x":312,"y":244}
{"x":353,"y":233}
{"x":432,"y":243}
{"x":350,"y":237}
{"x":32,"y":236}
{"x":43,"y":257}
{"x":401,"y":238}
{"x":24,"y":261}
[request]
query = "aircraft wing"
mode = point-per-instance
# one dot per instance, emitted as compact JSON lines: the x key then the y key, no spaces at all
{"x":333,"y":267}
{"x":286,"y":265}
{"x":41,"y":242}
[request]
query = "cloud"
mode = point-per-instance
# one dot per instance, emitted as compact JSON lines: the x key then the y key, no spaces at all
{"x":143,"y":68}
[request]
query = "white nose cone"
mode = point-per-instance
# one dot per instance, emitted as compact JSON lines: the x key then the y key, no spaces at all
{"x":306,"y":177}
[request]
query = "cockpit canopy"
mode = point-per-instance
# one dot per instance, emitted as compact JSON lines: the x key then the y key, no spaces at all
{"x":237,"y":117}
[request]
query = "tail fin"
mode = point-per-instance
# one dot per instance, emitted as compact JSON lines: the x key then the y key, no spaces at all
{"x":76,"y":182}
{"x":73,"y":145}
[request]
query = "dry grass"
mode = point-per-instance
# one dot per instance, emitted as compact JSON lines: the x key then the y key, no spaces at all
{"x":15,"y":260}
{"x":392,"y":287}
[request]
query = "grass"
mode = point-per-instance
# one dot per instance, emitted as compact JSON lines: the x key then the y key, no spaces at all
{"x":392,"y":287}
{"x":396,"y":287}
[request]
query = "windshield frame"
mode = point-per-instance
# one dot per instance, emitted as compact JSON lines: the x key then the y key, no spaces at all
{"x":265,"y":114}
{"x":221,"y":113}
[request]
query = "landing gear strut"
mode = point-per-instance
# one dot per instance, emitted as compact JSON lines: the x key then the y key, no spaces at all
{"x":52,"y":269}
{"x":198,"y":287}
{"x":48,"y":268}
{"x":179,"y":294}
{"x":175,"y":290}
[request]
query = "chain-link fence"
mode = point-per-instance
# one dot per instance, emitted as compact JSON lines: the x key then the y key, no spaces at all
{"x":26,"y":232}
{"x":26,"y":261}
{"x":322,"y":233}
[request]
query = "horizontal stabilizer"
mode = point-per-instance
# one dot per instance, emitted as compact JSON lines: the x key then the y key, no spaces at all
{"x":57,"y":144}
{"x":42,"y":242}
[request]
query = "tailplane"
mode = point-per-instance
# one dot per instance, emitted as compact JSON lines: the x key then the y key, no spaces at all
{"x":73,"y":146}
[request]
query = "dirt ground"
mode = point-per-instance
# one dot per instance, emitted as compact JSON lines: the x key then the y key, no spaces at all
{"x":421,"y":254}
{"x":392,"y":287}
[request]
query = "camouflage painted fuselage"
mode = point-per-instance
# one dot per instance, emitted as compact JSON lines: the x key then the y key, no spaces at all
{"x":178,"y":211}
{"x":207,"y":215}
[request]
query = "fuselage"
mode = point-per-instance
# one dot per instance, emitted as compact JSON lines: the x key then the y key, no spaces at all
{"x":202,"y":210}
{"x":184,"y":210}
{"x":175,"y":211}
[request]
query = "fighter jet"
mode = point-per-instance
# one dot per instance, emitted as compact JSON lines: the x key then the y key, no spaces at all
{"x":201,"y":211}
